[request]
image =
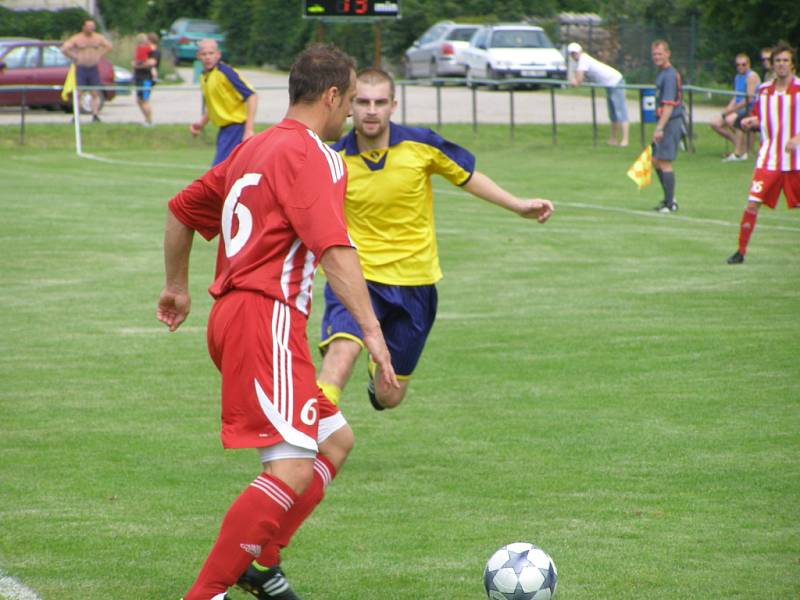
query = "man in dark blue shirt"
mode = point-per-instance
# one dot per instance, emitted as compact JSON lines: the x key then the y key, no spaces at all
{"x":667,"y":134}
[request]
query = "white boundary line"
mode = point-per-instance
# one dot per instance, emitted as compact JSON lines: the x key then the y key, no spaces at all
{"x":114,"y":161}
{"x":644,"y":213}
{"x":11,"y":589}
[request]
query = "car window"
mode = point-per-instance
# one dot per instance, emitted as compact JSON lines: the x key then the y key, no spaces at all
{"x":520,"y":38}
{"x":53,"y":57}
{"x":432,"y":34}
{"x":203,"y":27}
{"x":22,"y":57}
{"x":479,"y":39}
{"x":462,"y":34}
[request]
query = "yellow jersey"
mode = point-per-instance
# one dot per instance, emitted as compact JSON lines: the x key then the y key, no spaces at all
{"x":389,"y":202}
{"x":224,"y":92}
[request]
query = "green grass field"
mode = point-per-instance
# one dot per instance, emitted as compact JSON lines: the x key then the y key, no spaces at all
{"x":604,"y":386}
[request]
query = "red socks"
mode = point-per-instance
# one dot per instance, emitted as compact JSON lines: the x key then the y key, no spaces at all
{"x":249,"y":525}
{"x":324,"y":472}
{"x":746,"y":227}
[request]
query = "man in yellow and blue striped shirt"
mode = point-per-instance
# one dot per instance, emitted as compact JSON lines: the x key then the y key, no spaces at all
{"x":228,"y":101}
{"x":390,"y":218}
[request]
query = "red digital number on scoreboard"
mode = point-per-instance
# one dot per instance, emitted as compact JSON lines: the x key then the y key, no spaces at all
{"x":360,"y":6}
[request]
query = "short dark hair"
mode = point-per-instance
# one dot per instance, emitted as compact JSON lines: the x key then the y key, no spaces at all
{"x":783,"y":47}
{"x":318,"y":68}
{"x":373,"y":75}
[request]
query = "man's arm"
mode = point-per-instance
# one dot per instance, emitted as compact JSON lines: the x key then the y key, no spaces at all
{"x":68,"y":47}
{"x":251,"y":104}
{"x":105,"y":46}
{"x":347,"y":281}
{"x":195,"y":127}
{"x":485,"y":188}
{"x":577,"y":78}
{"x":174,"y":303}
{"x":666,"y":113}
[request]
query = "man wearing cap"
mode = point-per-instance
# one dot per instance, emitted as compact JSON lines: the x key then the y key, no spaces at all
{"x":591,"y":69}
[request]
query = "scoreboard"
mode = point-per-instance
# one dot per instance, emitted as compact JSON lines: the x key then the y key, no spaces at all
{"x":351,"y":9}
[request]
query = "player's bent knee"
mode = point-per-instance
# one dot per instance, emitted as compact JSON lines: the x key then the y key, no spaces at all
{"x":337,"y":446}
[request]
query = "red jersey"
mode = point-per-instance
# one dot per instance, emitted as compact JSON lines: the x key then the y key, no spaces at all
{"x":278,"y":203}
{"x":142,"y":53}
{"x":779,"y":113}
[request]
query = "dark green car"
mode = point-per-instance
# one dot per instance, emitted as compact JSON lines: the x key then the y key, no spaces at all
{"x":180,"y":42}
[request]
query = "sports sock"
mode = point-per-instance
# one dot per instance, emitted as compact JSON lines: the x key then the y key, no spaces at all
{"x":668,"y":182}
{"x":660,"y":174}
{"x":250,"y":524}
{"x":746,"y":227}
{"x":324,"y":472}
{"x":331,"y":391}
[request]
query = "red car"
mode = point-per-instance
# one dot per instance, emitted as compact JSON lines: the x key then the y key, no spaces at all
{"x":35,"y":62}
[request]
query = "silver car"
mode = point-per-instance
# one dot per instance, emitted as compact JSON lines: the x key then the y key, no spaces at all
{"x":437,"y":53}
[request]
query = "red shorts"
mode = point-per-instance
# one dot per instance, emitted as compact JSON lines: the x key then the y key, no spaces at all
{"x":767,"y":185}
{"x":269,"y":387}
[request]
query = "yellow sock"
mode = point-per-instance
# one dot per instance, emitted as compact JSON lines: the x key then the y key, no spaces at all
{"x":331,"y":391}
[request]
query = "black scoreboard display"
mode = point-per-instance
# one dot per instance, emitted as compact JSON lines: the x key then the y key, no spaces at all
{"x":351,"y":9}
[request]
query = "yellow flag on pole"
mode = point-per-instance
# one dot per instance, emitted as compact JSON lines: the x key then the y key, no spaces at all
{"x":641,"y":170}
{"x":69,"y":83}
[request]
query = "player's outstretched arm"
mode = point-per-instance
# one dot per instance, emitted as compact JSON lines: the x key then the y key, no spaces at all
{"x":485,"y":188}
{"x":347,"y":281}
{"x":174,"y":302}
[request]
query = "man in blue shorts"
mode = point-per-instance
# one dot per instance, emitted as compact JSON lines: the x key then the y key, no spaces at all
{"x":729,"y":123}
{"x":86,"y":49}
{"x":229,"y":101}
{"x":667,"y":134}
{"x":389,"y":210}
{"x":589,"y":68}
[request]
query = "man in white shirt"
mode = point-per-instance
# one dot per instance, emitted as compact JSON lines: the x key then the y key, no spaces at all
{"x":591,"y":69}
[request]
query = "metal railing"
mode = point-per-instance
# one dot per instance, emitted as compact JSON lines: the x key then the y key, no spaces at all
{"x":508,"y":86}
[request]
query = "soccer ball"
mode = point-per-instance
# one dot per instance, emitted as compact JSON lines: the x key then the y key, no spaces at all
{"x":520,"y":571}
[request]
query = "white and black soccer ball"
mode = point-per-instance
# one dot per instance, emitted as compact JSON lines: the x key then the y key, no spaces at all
{"x":520,"y":571}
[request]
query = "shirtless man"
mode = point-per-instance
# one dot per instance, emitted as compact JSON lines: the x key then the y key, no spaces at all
{"x":86,"y":49}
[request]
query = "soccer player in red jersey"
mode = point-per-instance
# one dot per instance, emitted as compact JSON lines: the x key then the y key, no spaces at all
{"x":777,"y":110}
{"x":277,"y":206}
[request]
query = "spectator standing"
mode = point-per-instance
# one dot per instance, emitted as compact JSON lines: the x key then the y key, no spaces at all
{"x":144,"y":65}
{"x":667,"y":134}
{"x":729,"y":123}
{"x":228,"y":101}
{"x":778,"y":162}
{"x":85,"y":49}
{"x":589,"y":68}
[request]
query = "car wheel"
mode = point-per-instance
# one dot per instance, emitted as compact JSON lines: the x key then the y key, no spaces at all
{"x":492,"y":74}
{"x":468,"y":79}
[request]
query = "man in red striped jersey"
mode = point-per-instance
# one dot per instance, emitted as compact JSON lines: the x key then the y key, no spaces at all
{"x":277,"y":205}
{"x":777,"y":111}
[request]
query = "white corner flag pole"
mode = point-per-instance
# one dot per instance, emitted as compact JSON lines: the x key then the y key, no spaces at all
{"x":76,"y":117}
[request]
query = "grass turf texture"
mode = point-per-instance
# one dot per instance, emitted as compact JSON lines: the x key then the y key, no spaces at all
{"x":604,"y":386}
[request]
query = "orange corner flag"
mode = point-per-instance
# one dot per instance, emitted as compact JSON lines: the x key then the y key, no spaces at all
{"x":641,"y":170}
{"x":69,"y":83}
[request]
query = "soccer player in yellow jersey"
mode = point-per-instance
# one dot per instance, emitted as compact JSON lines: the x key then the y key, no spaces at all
{"x":389,"y":211}
{"x":228,"y":101}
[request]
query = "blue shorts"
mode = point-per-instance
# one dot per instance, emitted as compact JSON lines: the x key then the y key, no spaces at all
{"x":406,"y":314}
{"x":615,"y":100}
{"x":87,"y":75}
{"x":143,"y":89}
{"x":228,"y":138}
